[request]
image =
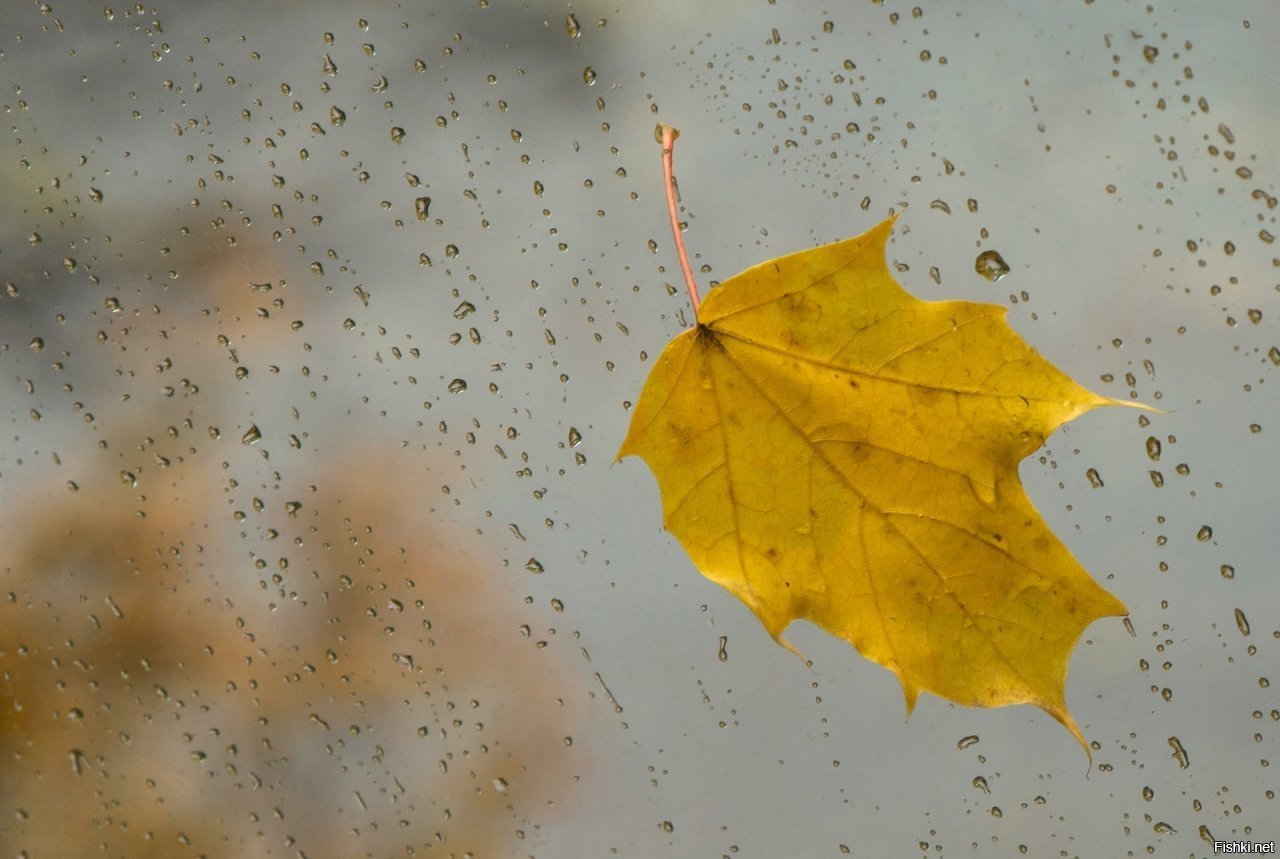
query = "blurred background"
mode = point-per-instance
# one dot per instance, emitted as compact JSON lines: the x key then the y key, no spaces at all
{"x":320,"y":330}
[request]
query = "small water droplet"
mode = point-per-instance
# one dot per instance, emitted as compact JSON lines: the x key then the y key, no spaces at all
{"x":457,"y":386}
{"x":1227,"y":571}
{"x":330,"y":68}
{"x":723,"y":653}
{"x":337,"y":116}
{"x":1242,"y":622}
{"x":1205,"y":534}
{"x":1179,"y":753}
{"x":589,"y":76}
{"x":397,"y":134}
{"x":420,"y":207}
{"x":991,"y":265}
{"x":1153,"y":448}
{"x":1157,"y":479}
{"x":251,"y":435}
{"x":575,"y":437}
{"x":463,"y":310}
{"x":571,"y":26}
{"x":965,"y":742}
{"x":534,"y":566}
{"x":557,"y":604}
{"x":1095,"y":479}
{"x":1150,"y":52}
{"x":981,"y":784}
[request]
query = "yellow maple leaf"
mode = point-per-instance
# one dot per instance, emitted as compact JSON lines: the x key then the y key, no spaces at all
{"x":830,"y":448}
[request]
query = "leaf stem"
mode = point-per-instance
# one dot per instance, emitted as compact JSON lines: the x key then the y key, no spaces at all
{"x":669,"y":135}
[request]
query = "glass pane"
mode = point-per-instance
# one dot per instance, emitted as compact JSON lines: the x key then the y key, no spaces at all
{"x":322,"y":324}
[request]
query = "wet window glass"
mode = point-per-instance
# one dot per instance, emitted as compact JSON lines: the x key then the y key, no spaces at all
{"x":322,"y":325}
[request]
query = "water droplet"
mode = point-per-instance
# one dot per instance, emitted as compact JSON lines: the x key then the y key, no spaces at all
{"x":420,"y":207}
{"x":1095,"y":479}
{"x":1179,"y":753}
{"x":557,"y":604}
{"x":1157,"y":479}
{"x":588,"y":76}
{"x":537,"y":188}
{"x":571,"y":26}
{"x":1205,"y":534}
{"x":991,"y":265}
{"x":981,"y":784}
{"x":251,"y":435}
{"x":723,"y":653}
{"x":1150,"y":52}
{"x":534,"y":566}
{"x":1148,"y":794}
{"x":1242,"y":622}
{"x":575,"y":437}
{"x":330,"y":68}
{"x":1274,"y":354}
{"x":1227,"y":571}
{"x":397,"y":134}
{"x":36,"y":344}
{"x":1153,"y":448}
{"x":337,"y":116}
{"x":457,"y":386}
{"x":965,"y":742}
{"x":463,"y":310}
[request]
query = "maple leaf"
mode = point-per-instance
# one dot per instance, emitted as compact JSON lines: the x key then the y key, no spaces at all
{"x":830,"y":448}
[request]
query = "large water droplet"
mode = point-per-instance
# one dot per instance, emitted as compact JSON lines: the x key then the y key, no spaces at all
{"x":991,"y":265}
